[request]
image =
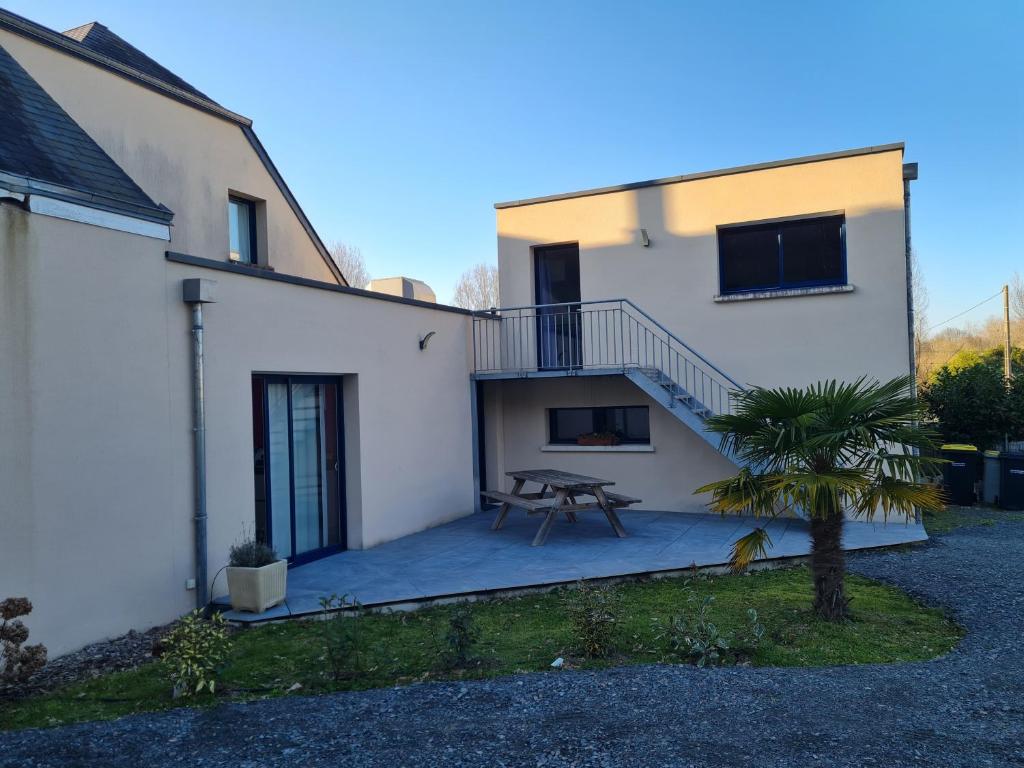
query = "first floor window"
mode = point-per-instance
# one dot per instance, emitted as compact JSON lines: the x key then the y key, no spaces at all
{"x":784,"y":254}
{"x":242,"y":230}
{"x":629,"y":424}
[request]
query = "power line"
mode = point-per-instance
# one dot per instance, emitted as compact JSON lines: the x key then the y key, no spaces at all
{"x":961,"y":314}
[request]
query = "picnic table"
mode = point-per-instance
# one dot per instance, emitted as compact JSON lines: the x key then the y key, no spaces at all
{"x":565,"y":488}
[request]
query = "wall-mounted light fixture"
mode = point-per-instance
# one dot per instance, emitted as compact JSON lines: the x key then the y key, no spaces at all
{"x":645,"y":241}
{"x":426,"y":340}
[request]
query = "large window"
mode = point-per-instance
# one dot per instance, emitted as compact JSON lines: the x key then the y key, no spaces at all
{"x":629,"y":424}
{"x":242,"y":230}
{"x":784,"y":254}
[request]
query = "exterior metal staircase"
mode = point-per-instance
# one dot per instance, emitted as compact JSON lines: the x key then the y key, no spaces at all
{"x":600,"y":338}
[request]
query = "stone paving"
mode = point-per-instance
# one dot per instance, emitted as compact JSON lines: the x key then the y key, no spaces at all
{"x":466,"y":557}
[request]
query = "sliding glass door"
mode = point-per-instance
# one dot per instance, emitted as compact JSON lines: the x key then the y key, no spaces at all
{"x":298,"y":464}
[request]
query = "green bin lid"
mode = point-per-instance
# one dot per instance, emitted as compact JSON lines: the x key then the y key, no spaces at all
{"x":992,"y":454}
{"x":959,"y":447}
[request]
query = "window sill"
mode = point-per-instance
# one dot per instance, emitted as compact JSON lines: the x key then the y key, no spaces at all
{"x":597,"y":448}
{"x":783,"y":293}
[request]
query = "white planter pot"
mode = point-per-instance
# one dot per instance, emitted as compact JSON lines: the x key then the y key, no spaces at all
{"x":256,"y":589}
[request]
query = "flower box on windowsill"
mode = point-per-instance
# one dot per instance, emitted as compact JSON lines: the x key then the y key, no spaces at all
{"x":598,"y":438}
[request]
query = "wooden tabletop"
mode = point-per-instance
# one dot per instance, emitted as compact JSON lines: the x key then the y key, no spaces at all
{"x":556,"y":478}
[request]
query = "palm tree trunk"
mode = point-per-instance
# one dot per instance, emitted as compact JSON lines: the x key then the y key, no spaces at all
{"x":828,"y":565}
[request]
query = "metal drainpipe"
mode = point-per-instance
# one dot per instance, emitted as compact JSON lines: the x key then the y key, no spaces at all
{"x":197,"y":292}
{"x":909,"y":175}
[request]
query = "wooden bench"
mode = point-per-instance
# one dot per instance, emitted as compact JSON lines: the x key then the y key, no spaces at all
{"x":539,"y":504}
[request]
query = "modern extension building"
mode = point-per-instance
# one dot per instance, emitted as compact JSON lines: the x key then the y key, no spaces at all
{"x":153,"y":260}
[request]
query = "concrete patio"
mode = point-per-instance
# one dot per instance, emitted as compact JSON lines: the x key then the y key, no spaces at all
{"x":465,"y":557}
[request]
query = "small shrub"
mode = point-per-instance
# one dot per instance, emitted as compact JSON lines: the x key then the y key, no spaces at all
{"x":251,"y":554}
{"x":341,"y":636}
{"x":194,"y":652}
{"x":460,"y":638}
{"x":695,"y":637}
{"x":592,"y":612}
{"x":18,"y":662}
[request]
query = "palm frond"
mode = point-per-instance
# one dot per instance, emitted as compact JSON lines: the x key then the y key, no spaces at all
{"x":746,"y":492}
{"x":748,"y":548}
{"x":890,"y":494}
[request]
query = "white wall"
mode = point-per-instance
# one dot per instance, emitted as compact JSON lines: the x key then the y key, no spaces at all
{"x":770,"y":342}
{"x":664,"y":478}
{"x":96,"y":515}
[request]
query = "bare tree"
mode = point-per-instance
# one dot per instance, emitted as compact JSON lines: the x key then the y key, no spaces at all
{"x":1017,"y":295}
{"x":350,"y":261}
{"x":477,"y":288}
{"x":919,"y":292}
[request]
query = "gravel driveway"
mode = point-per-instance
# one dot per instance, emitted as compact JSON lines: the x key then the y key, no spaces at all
{"x":966,"y":709}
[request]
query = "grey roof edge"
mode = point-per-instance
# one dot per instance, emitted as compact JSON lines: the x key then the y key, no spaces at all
{"x":258,"y":272}
{"x":258,"y":147}
{"x":27,"y":185}
{"x":875,"y":149}
{"x":30,"y":29}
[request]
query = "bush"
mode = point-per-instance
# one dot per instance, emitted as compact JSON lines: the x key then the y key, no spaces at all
{"x":251,"y":554}
{"x":341,"y":636}
{"x":593,"y":612}
{"x":460,"y":638}
{"x":18,"y":662}
{"x":194,"y":652}
{"x":696,"y":638}
{"x":969,"y":398}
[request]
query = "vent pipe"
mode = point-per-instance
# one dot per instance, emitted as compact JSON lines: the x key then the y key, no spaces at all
{"x":196,"y":292}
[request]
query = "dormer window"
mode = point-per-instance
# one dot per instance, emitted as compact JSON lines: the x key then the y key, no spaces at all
{"x":242,"y":230}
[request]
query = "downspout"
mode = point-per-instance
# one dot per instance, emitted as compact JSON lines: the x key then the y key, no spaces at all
{"x":196,"y":292}
{"x":909,"y":175}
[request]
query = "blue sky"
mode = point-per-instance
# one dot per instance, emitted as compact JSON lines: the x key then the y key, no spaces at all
{"x":398,"y":125}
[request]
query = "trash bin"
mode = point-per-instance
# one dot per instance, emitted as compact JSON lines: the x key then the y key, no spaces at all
{"x":960,"y":473}
{"x":1011,"y":481}
{"x":990,"y":484}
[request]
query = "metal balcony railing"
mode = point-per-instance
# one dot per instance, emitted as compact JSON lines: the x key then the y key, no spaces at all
{"x":614,"y":335}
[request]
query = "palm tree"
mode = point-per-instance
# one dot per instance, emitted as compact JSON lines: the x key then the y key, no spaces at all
{"x":823,"y":451}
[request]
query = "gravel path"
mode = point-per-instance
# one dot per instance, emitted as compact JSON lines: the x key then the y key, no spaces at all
{"x":966,"y":709}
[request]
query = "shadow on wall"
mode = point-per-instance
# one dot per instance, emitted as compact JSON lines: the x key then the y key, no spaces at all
{"x":769,"y":342}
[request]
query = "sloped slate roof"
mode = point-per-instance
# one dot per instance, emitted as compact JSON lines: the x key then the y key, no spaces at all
{"x":101,"y":40}
{"x":43,"y":150}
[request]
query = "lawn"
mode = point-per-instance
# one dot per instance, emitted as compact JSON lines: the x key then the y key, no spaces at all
{"x":525,"y":634}
{"x":952,"y":518}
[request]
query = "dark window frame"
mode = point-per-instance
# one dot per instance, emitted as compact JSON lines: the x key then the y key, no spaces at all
{"x":254,"y":251}
{"x":780,"y":225}
{"x":599,"y":421}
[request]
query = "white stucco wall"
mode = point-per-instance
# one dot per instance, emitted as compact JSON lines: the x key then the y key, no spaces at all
{"x":772,"y":342}
{"x":96,"y":514}
{"x":664,"y":478}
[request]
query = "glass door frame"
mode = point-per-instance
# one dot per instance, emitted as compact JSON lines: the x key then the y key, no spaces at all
{"x":559,"y":332}
{"x":288,"y":380}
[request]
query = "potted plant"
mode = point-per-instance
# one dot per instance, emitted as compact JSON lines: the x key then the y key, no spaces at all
{"x":598,"y":438}
{"x":257,"y":578}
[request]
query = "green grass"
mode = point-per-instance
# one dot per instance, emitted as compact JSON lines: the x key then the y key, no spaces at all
{"x":525,"y":634}
{"x":952,"y":518}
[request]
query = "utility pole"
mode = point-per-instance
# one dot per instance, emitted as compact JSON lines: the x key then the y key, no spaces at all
{"x":1007,"y":349}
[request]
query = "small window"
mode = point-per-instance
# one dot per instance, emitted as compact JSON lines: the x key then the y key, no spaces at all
{"x":785,"y":254}
{"x":629,"y":424}
{"x":242,"y":229}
